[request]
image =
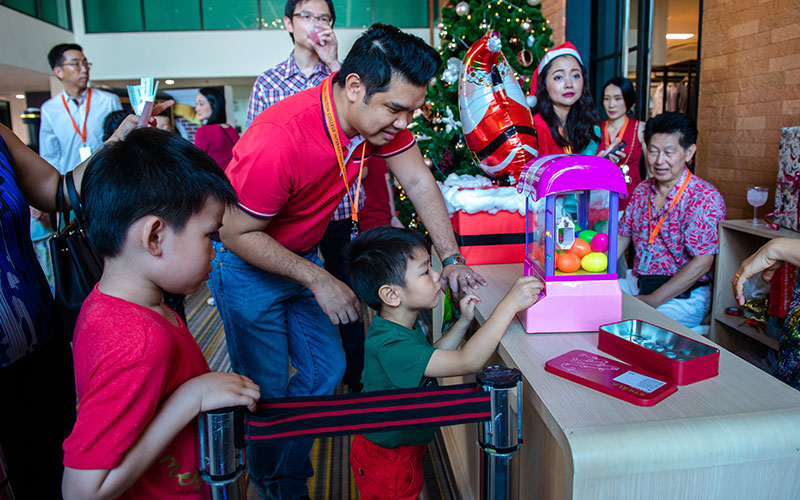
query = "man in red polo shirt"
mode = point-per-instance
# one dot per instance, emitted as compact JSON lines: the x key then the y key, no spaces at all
{"x":291,"y":169}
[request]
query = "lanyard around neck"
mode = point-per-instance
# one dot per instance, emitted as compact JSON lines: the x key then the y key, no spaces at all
{"x":566,"y":149}
{"x":330,"y":124}
{"x":85,"y":117}
{"x":674,"y":202}
{"x":620,"y":134}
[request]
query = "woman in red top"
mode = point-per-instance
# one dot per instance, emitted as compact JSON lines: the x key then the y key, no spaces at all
{"x":618,"y":99}
{"x":215,"y":137}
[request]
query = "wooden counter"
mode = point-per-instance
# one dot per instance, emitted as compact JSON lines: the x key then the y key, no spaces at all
{"x":734,"y":436}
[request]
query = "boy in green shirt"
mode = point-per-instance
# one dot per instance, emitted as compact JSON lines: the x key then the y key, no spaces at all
{"x":390,"y":270}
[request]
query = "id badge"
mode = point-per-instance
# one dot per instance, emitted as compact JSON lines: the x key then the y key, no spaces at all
{"x":644,"y":261}
{"x":85,"y":152}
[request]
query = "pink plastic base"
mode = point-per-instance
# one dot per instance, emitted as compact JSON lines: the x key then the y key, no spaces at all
{"x":574,"y":306}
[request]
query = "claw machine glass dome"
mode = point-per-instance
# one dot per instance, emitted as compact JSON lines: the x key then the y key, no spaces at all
{"x":571,"y":242}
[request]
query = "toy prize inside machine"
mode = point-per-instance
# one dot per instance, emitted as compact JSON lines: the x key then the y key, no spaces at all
{"x":571,"y":242}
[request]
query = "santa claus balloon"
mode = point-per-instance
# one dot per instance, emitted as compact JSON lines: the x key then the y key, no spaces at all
{"x":497,"y":123}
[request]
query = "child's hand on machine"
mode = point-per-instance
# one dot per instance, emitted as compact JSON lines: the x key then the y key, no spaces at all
{"x":467,"y":306}
{"x":524,"y":293}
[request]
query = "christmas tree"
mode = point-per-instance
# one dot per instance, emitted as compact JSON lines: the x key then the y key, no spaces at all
{"x":525,"y":36}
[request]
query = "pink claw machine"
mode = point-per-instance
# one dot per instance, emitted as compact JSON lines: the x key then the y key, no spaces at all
{"x":571,"y":242}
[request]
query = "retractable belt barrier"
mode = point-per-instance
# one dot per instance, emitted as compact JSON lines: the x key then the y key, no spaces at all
{"x":224,"y":433}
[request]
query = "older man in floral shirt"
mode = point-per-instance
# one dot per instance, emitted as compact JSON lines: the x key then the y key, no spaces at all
{"x":672,"y":219}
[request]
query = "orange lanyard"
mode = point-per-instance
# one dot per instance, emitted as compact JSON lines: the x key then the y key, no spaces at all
{"x":607,"y":136}
{"x":567,"y":149}
{"x":330,"y":123}
{"x":85,"y":117}
{"x":677,"y":197}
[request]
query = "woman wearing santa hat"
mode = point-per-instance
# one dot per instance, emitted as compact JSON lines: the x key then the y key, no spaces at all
{"x":564,"y":111}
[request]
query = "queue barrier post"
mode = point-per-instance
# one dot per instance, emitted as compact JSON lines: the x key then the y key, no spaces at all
{"x":222,"y":459}
{"x":500,"y":437}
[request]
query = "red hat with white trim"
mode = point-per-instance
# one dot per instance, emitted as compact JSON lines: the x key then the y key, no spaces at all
{"x":565,"y":49}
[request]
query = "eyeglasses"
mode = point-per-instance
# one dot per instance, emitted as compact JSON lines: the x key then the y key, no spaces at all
{"x":78,"y":64}
{"x":306,"y":17}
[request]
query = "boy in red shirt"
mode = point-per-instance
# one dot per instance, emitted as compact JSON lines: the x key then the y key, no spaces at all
{"x":390,"y":269}
{"x":152,"y":202}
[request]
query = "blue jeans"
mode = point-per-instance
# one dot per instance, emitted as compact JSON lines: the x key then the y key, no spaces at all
{"x":269,"y":321}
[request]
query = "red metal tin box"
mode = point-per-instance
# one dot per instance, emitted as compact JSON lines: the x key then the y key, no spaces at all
{"x":658,"y":350}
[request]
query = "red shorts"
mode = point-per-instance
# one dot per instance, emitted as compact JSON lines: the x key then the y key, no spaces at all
{"x":383,"y":473}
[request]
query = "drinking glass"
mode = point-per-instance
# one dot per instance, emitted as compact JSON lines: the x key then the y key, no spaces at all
{"x":756,"y":197}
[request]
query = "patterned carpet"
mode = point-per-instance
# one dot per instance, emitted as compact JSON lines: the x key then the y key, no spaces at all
{"x":333,"y":478}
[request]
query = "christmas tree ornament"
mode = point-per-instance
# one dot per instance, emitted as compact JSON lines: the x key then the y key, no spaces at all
{"x":452,"y":71}
{"x":462,"y":8}
{"x":514,"y":41}
{"x":531,"y":41}
{"x":452,"y":46}
{"x":534,"y":3}
{"x":497,"y":124}
{"x":525,"y":57}
{"x":484,"y":25}
{"x":443,"y":34}
{"x":440,"y":26}
{"x":432,"y":83}
{"x":460,"y":146}
{"x":526,"y":26}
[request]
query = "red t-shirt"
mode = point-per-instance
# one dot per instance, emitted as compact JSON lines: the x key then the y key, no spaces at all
{"x":284,"y":168}
{"x":128,"y":360}
{"x":217,"y":141}
{"x":376,"y":211}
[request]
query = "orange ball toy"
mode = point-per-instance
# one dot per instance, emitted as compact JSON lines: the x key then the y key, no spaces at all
{"x":581,"y":248}
{"x":569,"y":262}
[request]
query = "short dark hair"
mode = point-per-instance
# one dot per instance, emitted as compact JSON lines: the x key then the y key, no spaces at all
{"x":288,"y":11}
{"x":672,"y":123}
{"x":379,"y":257}
{"x":625,"y":85}
{"x":56,"y":55}
{"x":112,"y":121}
{"x":217,"y":101}
{"x":150,"y":172}
{"x":384,"y":50}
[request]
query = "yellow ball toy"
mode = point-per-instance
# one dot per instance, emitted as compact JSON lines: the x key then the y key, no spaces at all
{"x":595,"y":262}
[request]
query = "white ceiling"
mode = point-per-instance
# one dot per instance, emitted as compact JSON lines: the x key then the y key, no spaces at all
{"x":17,"y":80}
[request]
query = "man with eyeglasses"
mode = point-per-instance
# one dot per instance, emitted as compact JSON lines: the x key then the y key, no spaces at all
{"x":315,"y":55}
{"x":72,"y":121}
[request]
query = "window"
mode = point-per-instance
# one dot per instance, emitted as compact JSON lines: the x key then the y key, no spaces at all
{"x":54,"y":12}
{"x":111,"y":16}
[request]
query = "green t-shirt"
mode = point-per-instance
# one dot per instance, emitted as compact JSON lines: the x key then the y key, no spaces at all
{"x":395,"y":358}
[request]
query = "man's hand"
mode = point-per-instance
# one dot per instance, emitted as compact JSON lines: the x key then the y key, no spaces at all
{"x":461,"y":278}
{"x":649,"y":300}
{"x":337,"y":301}
{"x":328,"y":49}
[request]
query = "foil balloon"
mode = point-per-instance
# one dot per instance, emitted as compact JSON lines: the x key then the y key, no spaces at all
{"x":498,"y":126}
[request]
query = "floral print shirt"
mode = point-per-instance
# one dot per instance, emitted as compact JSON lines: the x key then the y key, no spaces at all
{"x":689,"y":229}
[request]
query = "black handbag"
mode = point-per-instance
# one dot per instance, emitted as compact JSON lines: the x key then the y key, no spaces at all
{"x":76,"y":265}
{"x":652,"y":282}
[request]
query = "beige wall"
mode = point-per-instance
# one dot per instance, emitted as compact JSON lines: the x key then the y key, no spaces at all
{"x":749,"y":89}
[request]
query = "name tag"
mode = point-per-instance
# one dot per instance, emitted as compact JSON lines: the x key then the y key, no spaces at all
{"x":85,"y":152}
{"x":644,"y":261}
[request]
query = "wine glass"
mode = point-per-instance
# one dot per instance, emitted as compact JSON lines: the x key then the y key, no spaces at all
{"x":756,"y":197}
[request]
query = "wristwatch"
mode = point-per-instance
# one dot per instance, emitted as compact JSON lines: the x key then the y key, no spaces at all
{"x":454,"y":259}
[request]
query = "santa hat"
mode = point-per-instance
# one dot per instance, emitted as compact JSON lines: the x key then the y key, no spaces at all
{"x":565,"y":49}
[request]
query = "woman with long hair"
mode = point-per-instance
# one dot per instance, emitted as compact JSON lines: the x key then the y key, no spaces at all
{"x":619,"y":97}
{"x":564,"y":113}
{"x":215,"y":137}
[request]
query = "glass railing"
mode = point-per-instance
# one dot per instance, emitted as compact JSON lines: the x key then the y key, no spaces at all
{"x":113,"y":16}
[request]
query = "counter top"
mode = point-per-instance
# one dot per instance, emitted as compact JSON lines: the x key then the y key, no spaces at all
{"x":742,"y":416}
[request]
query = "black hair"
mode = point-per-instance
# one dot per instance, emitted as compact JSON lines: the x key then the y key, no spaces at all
{"x":288,"y":11}
{"x":581,"y":119}
{"x":383,"y":51}
{"x":672,"y":123}
{"x":56,"y":55}
{"x":217,"y":101}
{"x":150,"y":172}
{"x":628,"y":92}
{"x":112,"y":121}
{"x":379,"y":257}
